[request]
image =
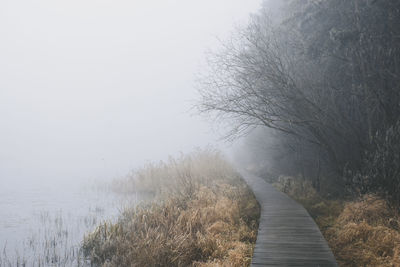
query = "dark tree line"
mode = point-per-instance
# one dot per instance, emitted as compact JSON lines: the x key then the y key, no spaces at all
{"x":325,"y":75}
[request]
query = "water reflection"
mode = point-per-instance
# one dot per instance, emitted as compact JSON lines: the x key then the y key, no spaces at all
{"x":43,"y":224}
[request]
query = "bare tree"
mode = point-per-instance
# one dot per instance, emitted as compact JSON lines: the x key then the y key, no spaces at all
{"x":326,"y":77}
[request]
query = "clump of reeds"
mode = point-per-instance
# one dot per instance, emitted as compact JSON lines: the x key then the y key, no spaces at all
{"x":203,"y":215}
{"x":366,"y":234}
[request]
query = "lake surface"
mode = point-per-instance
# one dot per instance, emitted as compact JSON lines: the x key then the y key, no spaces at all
{"x":43,"y":224}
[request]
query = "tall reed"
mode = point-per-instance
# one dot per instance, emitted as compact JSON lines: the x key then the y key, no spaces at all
{"x":203,"y":214}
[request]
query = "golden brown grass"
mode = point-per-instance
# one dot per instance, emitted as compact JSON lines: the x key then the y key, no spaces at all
{"x":204,"y":215}
{"x":362,"y":232}
{"x":366,"y":234}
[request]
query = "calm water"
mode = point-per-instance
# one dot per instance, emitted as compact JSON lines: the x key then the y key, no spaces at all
{"x":44,"y":224}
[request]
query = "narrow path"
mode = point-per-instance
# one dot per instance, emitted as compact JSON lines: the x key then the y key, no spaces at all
{"x":287,"y":235}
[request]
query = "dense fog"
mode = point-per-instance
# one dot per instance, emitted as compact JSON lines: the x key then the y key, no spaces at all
{"x":91,"y":89}
{"x":113,"y":115}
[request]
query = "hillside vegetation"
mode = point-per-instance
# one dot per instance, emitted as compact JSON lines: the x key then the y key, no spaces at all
{"x":203,"y":214}
{"x":322,"y":78}
{"x":320,"y":83}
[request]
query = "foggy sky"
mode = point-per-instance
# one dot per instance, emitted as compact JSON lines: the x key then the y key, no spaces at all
{"x":94,"y":88}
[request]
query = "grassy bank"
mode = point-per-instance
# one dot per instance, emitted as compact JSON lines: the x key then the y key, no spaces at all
{"x":203,"y":214}
{"x":360,"y":232}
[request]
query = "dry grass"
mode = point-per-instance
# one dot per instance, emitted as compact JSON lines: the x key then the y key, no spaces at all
{"x":366,"y":234}
{"x":362,"y":232}
{"x":204,"y":215}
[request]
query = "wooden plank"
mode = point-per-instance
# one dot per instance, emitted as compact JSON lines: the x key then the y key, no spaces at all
{"x":287,"y":235}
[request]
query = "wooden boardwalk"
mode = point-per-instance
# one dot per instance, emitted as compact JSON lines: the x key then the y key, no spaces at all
{"x":287,"y":235}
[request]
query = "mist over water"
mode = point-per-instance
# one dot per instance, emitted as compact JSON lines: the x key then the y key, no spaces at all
{"x":44,"y":225}
{"x":95,"y":88}
{"x":90,"y":90}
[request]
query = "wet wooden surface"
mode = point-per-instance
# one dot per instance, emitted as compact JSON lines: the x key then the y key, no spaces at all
{"x":287,"y":235}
